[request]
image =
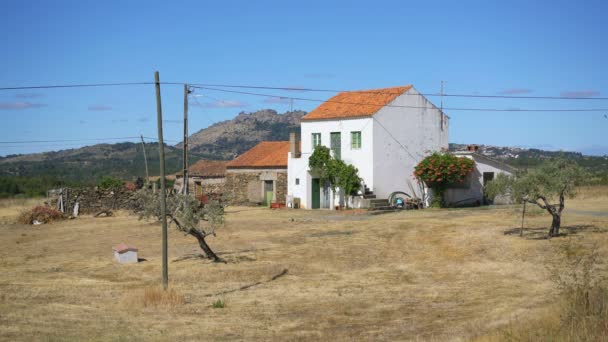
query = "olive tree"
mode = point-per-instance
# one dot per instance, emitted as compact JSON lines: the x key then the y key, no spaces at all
{"x":546,"y":186}
{"x":187,"y":214}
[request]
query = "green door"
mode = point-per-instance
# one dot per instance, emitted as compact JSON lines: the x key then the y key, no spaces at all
{"x":316,"y":193}
{"x":335,"y":144}
{"x":268,"y":191}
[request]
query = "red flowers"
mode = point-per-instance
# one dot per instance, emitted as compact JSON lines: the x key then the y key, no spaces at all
{"x":443,"y":168}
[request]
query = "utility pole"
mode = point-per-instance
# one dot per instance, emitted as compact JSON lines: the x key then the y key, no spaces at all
{"x":163,"y":193}
{"x":143,"y":146}
{"x":186,"y":181}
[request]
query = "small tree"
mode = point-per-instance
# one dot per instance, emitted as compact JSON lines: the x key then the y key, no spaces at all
{"x":110,"y":183}
{"x":187,"y":213}
{"x":335,"y":171}
{"x":553,"y":180}
{"x":439,"y":170}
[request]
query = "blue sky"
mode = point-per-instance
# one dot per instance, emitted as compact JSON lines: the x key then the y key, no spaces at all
{"x":551,"y":48}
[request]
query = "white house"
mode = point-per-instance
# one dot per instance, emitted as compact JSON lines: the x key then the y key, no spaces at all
{"x":384,"y":133}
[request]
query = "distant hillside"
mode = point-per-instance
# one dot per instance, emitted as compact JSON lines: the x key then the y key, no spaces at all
{"x":227,"y":139}
{"x":87,"y":164}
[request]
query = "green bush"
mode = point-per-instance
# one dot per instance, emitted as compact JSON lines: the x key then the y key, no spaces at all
{"x":107,"y":182}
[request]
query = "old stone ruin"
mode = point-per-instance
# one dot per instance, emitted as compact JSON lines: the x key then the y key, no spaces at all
{"x":93,"y":200}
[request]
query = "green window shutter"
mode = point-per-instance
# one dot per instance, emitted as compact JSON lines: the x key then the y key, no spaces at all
{"x":316,"y":140}
{"x":355,"y":140}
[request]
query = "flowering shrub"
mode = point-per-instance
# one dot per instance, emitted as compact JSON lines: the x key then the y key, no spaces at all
{"x":439,"y":170}
{"x":130,"y":186}
{"x":40,"y":214}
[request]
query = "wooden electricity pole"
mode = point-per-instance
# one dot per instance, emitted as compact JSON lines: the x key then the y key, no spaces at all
{"x":185,"y":180}
{"x":143,"y":146}
{"x":163,"y":193}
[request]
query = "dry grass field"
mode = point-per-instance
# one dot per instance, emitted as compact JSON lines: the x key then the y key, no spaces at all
{"x":459,"y":274}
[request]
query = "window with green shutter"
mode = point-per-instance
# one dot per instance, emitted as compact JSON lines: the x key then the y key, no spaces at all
{"x":316,"y":140}
{"x":355,"y":140}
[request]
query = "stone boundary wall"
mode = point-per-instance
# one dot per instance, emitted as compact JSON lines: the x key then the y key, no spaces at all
{"x":93,"y":200}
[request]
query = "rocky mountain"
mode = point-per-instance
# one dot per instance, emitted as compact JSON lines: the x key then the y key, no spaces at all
{"x":227,"y":139}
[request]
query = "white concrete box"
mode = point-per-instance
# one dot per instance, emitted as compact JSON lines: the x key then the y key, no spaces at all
{"x":125,"y":254}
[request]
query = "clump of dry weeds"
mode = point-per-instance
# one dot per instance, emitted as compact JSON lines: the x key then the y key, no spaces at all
{"x":157,"y":297}
{"x":41,"y":214}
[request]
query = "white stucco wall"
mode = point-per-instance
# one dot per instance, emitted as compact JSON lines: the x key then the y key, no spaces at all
{"x":403,"y":136}
{"x":126,"y":257}
{"x":474,"y":192}
{"x":361,"y":158}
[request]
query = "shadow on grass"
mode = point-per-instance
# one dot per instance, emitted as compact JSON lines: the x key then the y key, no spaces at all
{"x":541,"y":233}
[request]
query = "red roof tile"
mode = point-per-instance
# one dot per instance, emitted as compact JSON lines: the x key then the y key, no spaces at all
{"x":123,"y":247}
{"x":271,"y":154}
{"x":208,"y":168}
{"x":354,"y":104}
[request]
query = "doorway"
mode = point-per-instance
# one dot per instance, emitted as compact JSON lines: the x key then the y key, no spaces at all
{"x":315,"y":193}
{"x":268,"y":192}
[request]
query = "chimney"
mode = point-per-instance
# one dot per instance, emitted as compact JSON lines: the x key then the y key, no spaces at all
{"x":294,"y":145}
{"x":473,"y":148}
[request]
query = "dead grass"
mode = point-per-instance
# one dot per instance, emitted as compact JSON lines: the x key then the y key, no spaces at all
{"x":156,"y":296}
{"x":416,"y":275}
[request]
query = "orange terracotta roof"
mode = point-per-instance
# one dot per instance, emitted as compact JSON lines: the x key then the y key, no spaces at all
{"x":271,"y":154}
{"x":354,"y":104}
{"x":208,"y":168}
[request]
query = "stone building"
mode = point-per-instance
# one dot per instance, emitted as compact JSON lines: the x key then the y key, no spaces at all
{"x":205,"y":177}
{"x":259,"y":176}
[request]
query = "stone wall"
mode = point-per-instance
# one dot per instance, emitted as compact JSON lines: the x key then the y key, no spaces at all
{"x":209,"y":186}
{"x":246,"y":186}
{"x":92,"y":200}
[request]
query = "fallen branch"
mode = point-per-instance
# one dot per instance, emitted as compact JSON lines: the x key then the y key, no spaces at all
{"x":275,"y":277}
{"x":107,"y":213}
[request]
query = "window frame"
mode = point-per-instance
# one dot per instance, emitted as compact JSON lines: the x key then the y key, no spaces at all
{"x":314,"y":142}
{"x":354,"y":134}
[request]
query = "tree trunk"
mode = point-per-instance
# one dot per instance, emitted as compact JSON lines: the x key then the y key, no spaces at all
{"x":555,"y":224}
{"x":204,"y":246}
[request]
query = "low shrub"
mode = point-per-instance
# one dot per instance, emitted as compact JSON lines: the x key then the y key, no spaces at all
{"x":41,"y":214}
{"x":219,"y":304}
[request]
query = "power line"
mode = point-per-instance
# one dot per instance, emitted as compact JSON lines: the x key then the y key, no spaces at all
{"x":76,"y":85}
{"x":62,"y":140}
{"x":73,"y":140}
{"x":418,"y":107}
{"x":391,"y":93}
{"x":204,"y":85}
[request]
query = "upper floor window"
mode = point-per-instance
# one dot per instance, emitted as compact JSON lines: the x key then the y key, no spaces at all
{"x":355,"y":140}
{"x":316,"y":140}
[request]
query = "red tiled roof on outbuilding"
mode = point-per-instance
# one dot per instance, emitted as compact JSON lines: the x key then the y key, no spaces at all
{"x":267,"y":154}
{"x":355,"y":104}
{"x":208,"y":168}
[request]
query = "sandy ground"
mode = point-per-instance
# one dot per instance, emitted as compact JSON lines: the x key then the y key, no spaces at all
{"x":416,"y":275}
